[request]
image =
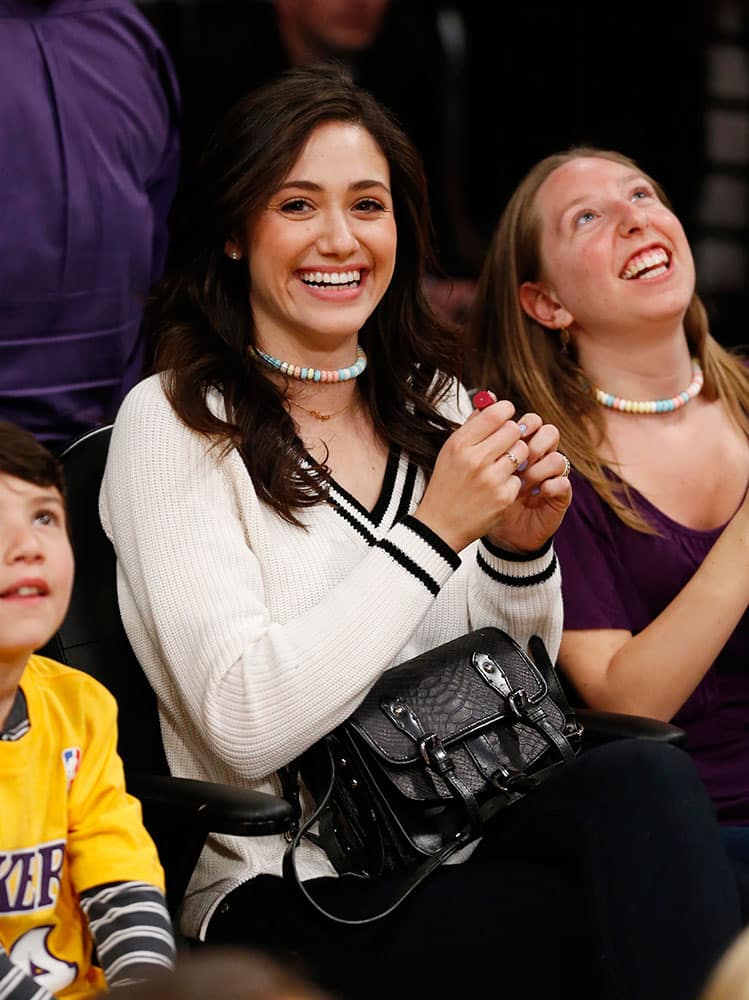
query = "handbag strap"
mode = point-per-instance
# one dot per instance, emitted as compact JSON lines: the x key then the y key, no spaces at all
{"x":535,"y":716}
{"x":434,"y":755}
{"x":436,"y":758}
{"x":521,"y":706}
{"x":542,"y":660}
{"x":410,"y":881}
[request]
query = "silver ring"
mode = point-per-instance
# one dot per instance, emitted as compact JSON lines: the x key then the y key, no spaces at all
{"x":567,"y":466}
{"x":515,"y":461}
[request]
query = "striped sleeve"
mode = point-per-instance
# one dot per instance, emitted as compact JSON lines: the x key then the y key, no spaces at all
{"x":513,"y":569}
{"x":421,"y":553}
{"x":132,"y":930}
{"x":16,"y":985}
{"x":519,"y":591}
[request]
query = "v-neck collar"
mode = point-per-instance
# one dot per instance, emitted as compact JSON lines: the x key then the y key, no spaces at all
{"x":393,"y":501}
{"x":386,"y":490}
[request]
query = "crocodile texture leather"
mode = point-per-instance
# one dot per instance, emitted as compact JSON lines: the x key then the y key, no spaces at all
{"x":440,"y":743}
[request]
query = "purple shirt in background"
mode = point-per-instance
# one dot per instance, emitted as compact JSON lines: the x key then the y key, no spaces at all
{"x":89,"y":160}
{"x":615,"y":577}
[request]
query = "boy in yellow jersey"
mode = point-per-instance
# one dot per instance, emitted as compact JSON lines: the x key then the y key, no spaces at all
{"x":77,"y":867}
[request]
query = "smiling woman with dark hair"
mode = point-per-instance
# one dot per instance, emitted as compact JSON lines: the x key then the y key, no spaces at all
{"x":302,"y":497}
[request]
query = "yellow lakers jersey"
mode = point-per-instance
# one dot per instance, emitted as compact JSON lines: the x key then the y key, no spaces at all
{"x":66,"y":825}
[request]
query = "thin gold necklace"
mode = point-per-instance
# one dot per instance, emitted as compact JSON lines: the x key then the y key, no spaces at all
{"x":323,"y":416}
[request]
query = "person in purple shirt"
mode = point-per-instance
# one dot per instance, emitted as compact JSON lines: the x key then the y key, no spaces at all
{"x":587,"y":311}
{"x":89,"y":161}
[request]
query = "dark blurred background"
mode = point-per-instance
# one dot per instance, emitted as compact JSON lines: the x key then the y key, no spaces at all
{"x":485,"y":88}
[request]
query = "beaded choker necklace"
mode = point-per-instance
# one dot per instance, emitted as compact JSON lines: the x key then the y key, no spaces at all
{"x":314,"y":374}
{"x":654,"y":405}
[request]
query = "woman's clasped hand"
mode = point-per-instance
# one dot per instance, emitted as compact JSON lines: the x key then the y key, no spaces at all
{"x":498,"y":477}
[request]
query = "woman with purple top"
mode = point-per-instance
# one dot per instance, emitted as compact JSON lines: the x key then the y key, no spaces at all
{"x":587,"y":312}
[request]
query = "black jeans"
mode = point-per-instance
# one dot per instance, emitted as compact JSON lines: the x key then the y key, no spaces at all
{"x":608,"y":881}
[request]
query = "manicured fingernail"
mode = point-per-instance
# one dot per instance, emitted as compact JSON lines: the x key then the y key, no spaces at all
{"x":483,"y":398}
{"x":535,"y":491}
{"x":523,"y":467}
{"x":523,"y":430}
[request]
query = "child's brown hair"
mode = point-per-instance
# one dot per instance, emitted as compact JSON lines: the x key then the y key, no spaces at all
{"x":26,"y":458}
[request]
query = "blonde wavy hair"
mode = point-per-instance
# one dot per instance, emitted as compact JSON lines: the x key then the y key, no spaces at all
{"x":520,"y":360}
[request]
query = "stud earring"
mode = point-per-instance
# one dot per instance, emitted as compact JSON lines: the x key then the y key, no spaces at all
{"x":234,"y":255}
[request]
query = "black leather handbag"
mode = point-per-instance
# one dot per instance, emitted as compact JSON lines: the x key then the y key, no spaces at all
{"x":440,"y":744}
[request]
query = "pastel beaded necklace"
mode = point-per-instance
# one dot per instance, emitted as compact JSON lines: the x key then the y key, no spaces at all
{"x":314,"y":374}
{"x":653,"y":405}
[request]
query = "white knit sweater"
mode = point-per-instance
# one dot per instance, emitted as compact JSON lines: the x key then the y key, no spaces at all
{"x":258,"y":636}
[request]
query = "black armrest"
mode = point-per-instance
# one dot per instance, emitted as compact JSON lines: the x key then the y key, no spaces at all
{"x":601,"y":727}
{"x":218,"y":808}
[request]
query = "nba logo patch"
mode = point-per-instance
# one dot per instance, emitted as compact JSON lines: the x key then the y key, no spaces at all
{"x":71,"y":761}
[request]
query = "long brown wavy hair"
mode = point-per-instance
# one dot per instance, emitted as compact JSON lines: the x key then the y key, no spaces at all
{"x":200,"y":315}
{"x":522,"y":360}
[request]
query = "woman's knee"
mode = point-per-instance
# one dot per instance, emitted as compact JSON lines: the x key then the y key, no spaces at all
{"x":644,"y":771}
{"x":636,"y":755}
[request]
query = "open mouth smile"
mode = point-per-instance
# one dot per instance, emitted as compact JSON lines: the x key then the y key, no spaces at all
{"x":331,"y":279}
{"x":646,"y":264}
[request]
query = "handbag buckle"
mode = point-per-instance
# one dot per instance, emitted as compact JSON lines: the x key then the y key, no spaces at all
{"x":518,"y":701}
{"x":509,"y":782}
{"x":434,"y":755}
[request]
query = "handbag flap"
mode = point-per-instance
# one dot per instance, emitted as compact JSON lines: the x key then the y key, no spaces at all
{"x":449,"y":692}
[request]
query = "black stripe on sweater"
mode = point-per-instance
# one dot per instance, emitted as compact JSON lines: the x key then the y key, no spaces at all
{"x":352,"y":519}
{"x":517,"y":581}
{"x":408,"y":564}
{"x":404,"y":504}
{"x":432,"y":539}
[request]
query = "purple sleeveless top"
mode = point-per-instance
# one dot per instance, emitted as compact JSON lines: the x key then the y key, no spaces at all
{"x":616,"y":577}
